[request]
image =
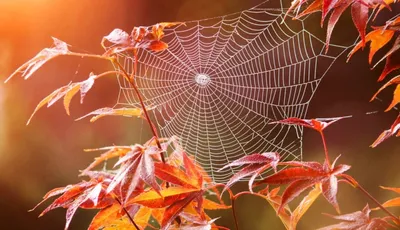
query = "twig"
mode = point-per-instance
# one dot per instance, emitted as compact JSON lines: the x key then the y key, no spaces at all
{"x":357,"y":185}
{"x":233,"y":198}
{"x":127,"y":213}
{"x":134,"y":86}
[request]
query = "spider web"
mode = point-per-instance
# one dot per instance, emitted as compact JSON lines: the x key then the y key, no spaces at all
{"x":224,"y":79}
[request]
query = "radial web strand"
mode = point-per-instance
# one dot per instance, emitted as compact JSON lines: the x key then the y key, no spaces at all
{"x":224,"y":79}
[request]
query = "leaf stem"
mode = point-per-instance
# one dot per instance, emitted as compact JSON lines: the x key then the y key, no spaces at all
{"x":357,"y":185}
{"x":88,"y":55}
{"x":127,"y":213}
{"x":325,"y":149}
{"x":107,"y":73}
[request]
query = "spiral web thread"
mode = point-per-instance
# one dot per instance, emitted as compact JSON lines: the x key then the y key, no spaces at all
{"x":224,"y":79}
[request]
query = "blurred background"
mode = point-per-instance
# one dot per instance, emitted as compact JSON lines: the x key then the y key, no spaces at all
{"x":48,"y":153}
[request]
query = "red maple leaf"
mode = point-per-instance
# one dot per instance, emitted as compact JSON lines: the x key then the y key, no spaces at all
{"x":318,"y":124}
{"x":379,"y":37}
{"x":86,"y":194}
{"x":359,"y":220}
{"x":141,"y":38}
{"x":304,"y":175}
{"x":359,"y":12}
{"x":174,"y":199}
{"x":136,"y":166}
{"x":256,"y":164}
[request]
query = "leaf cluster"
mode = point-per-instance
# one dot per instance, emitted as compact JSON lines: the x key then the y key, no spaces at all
{"x":149,"y":182}
{"x":363,"y":13}
{"x":136,"y":189}
{"x":297,"y":177}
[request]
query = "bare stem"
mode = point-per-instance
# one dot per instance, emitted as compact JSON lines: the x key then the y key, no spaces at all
{"x":127,"y":213}
{"x":134,"y":64}
{"x":357,"y":185}
{"x":325,"y":148}
{"x":233,"y":198}
{"x":134,"y":86}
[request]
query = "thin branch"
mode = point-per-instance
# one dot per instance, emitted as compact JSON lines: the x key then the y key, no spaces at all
{"x":233,"y":198}
{"x":357,"y":185}
{"x":134,"y":86}
{"x":127,"y":213}
{"x":132,"y":82}
{"x":134,"y":64}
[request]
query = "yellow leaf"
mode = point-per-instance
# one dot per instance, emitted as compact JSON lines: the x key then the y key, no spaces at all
{"x":47,"y":100}
{"x":385,"y":5}
{"x":68,"y":92}
{"x":396,"y":98}
{"x":142,"y":217}
{"x":211,"y":205}
{"x":158,"y":29}
{"x":71,"y":92}
{"x":106,"y":218}
{"x":275,"y":201}
{"x":313,"y":7}
{"x":119,"y":224}
{"x":129,"y":112}
{"x":378,"y":39}
{"x":397,"y":190}
{"x":157,"y":214}
{"x":304,"y":205}
{"x":392,"y":203}
{"x":111,"y":153}
{"x":170,"y":195}
{"x":396,"y":94}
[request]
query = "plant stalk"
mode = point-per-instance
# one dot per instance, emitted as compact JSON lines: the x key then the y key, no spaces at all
{"x":366,"y":193}
{"x":132,"y":82}
{"x":233,"y":198}
{"x":134,"y":86}
{"x":127,"y":213}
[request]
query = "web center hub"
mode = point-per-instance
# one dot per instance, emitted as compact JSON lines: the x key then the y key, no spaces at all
{"x":202,"y":79}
